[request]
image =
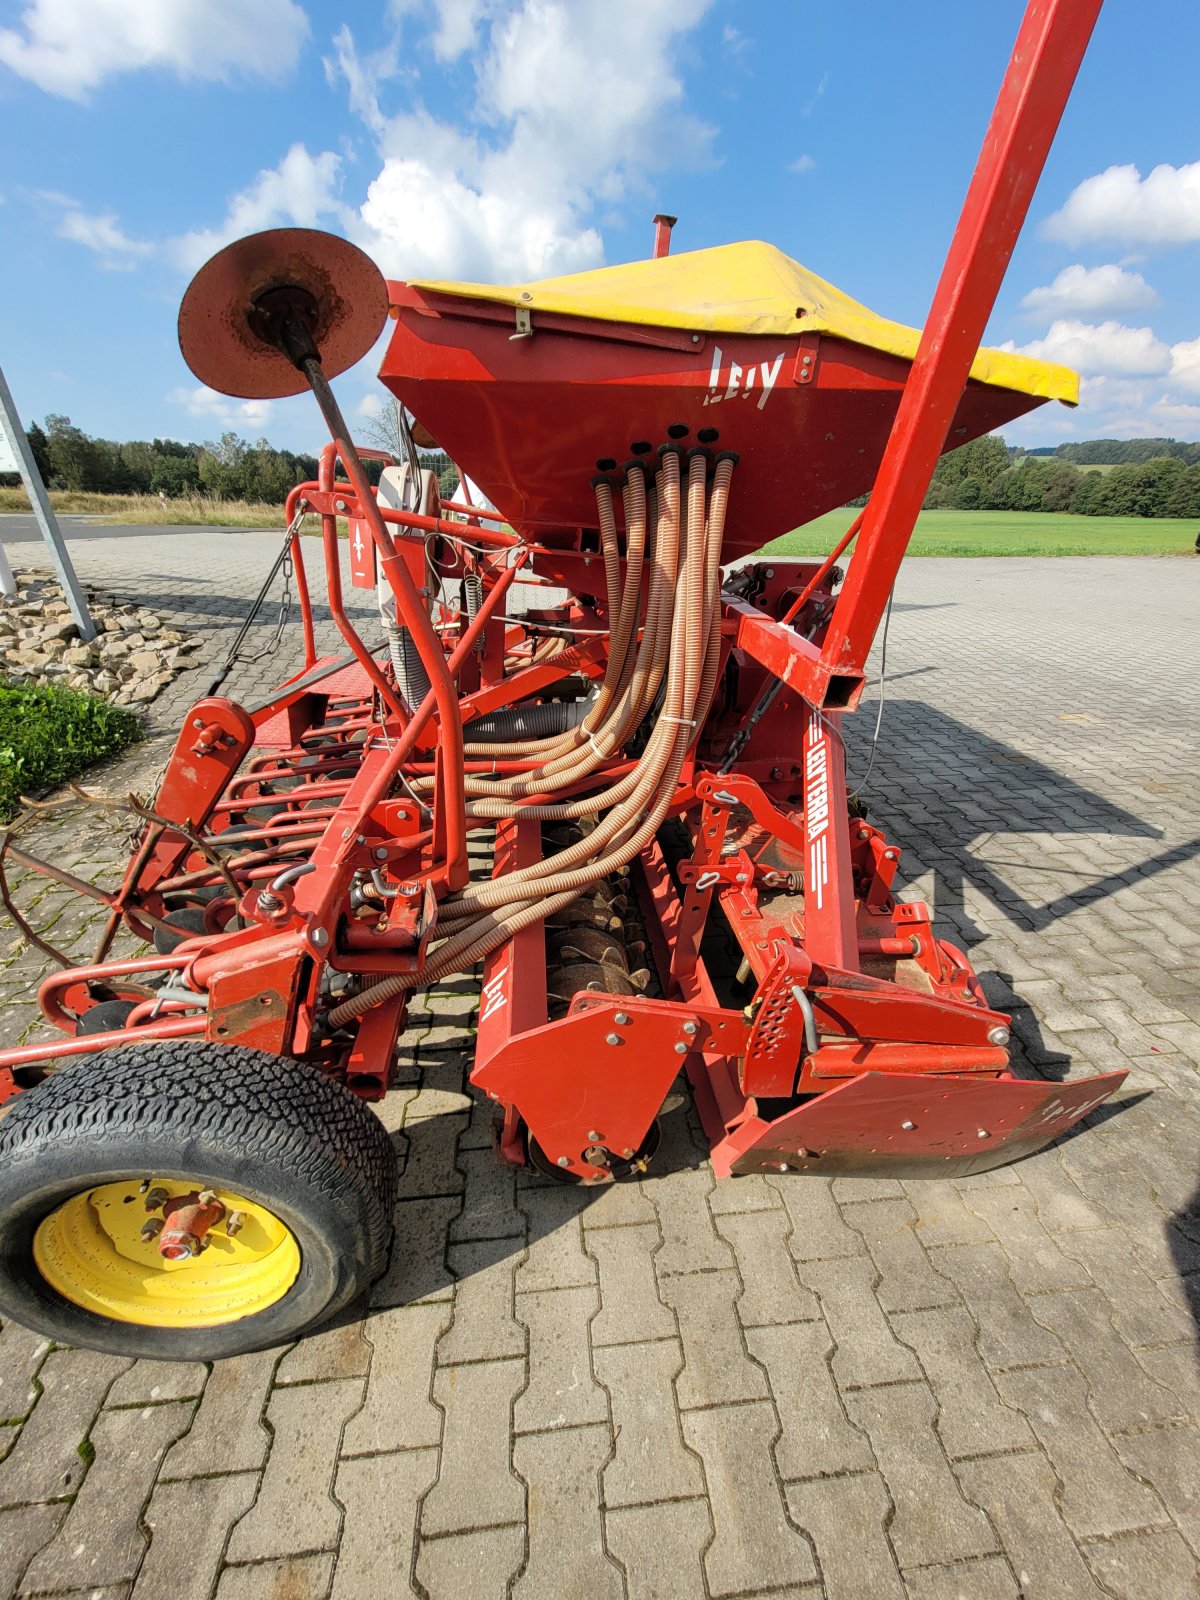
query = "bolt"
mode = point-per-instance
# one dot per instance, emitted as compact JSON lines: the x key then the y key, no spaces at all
{"x":156,"y":1198}
{"x":206,"y":1197}
{"x":888,"y":855}
{"x":594,"y":1137}
{"x":144,"y":1185}
{"x":628,"y":1152}
{"x":998,"y":1036}
{"x":681,"y":1049}
{"x":564,"y":1161}
{"x":151,"y":1229}
{"x":743,"y":877}
{"x":695,"y":338}
{"x":983,"y":1134}
{"x":691,"y":1027}
{"x":380,"y":852}
{"x":769,"y":573}
{"x":409,"y":890}
{"x":783,"y":1166}
{"x":614,"y":1038}
{"x":319,"y":937}
{"x":621,"y":1019}
{"x":234,"y":1223}
{"x":339,"y":505}
{"x":908,"y":1126}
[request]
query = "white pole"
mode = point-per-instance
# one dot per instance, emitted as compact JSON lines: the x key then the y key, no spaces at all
{"x":8,"y":584}
{"x":13,"y":434}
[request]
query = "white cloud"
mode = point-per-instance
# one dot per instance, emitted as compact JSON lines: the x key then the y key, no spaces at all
{"x":1185,"y":365}
{"x":370,"y":406}
{"x":804,"y":163}
{"x":577,"y":104}
{"x":99,"y":232}
{"x":1133,"y":384}
{"x":300,"y":192}
{"x":69,"y":47}
{"x":1091,"y":291}
{"x":457,"y":23}
{"x":1108,"y":348}
{"x":1120,"y":205}
{"x":213,"y":407}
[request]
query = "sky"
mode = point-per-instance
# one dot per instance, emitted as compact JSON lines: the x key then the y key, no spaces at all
{"x":504,"y":140}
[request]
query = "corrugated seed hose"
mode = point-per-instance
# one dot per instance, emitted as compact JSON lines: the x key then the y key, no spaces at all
{"x":679,"y":651}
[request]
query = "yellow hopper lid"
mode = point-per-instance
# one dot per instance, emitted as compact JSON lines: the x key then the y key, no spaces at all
{"x":748,"y":288}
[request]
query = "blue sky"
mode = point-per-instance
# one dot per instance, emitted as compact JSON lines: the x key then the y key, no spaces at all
{"x":506,"y":139}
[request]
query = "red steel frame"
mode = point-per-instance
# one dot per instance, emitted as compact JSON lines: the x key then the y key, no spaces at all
{"x":837,"y":1064}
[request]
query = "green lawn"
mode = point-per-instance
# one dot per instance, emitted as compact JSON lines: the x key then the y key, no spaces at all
{"x":1011,"y":533}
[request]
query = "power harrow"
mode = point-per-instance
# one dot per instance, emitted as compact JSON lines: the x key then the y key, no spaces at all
{"x":581,"y":662}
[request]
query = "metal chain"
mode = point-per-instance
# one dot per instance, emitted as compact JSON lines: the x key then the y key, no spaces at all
{"x":288,"y":567}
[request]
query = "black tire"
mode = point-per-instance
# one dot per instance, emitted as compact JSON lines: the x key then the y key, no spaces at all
{"x":268,"y":1128}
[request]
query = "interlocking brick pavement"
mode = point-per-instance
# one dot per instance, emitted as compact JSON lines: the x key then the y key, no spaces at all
{"x":764,"y":1387}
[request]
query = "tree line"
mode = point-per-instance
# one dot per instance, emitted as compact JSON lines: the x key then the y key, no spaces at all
{"x":1147,"y":477}
{"x":229,"y":468}
{"x":985,"y":476}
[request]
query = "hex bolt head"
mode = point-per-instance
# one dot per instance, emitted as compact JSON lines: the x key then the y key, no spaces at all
{"x":319,"y":937}
{"x":380,"y":852}
{"x":681,"y":1049}
{"x":621,"y":1020}
{"x":983,"y":1134}
{"x":564,"y":1161}
{"x":908,"y":1126}
{"x":156,"y":1198}
{"x":783,"y":1167}
{"x":628,"y":1152}
{"x":151,"y":1229}
{"x":594,"y":1137}
{"x":889,"y":855}
{"x":691,"y":1027}
{"x":998,"y":1036}
{"x":613,"y":1038}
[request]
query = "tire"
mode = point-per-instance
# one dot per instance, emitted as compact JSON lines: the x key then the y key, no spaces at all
{"x":266,"y":1128}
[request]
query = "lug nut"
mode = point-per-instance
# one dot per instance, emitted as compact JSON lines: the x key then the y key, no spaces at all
{"x":156,"y":1198}
{"x":613,"y":1038}
{"x":234,"y":1223}
{"x":151,"y":1229}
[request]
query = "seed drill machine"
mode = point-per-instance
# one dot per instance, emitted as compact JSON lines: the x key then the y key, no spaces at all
{"x":578,"y":661}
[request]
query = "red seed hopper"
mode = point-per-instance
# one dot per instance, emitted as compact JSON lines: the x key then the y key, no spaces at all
{"x":537,"y":387}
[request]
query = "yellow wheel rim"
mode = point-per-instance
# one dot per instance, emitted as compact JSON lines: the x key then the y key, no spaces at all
{"x":90,"y":1249}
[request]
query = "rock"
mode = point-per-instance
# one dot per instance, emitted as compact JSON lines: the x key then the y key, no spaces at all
{"x":105,"y":682}
{"x":112,"y":624}
{"x":135,"y":641}
{"x":146,"y":690}
{"x":54,"y":649}
{"x":125,"y":672}
{"x":61,"y":629}
{"x":145,"y":661}
{"x":79,"y":680}
{"x":79,"y":655}
{"x":112,"y":649}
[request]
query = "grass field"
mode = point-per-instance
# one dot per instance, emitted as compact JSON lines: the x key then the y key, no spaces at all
{"x":1011,"y":533}
{"x":198,"y":510}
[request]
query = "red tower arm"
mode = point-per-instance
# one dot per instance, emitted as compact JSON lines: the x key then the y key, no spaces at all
{"x":1037,"y":84}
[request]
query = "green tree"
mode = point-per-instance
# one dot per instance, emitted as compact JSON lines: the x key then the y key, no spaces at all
{"x":70,"y":454}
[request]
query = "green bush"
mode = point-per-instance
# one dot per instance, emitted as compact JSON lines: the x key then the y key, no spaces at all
{"x":48,"y":735}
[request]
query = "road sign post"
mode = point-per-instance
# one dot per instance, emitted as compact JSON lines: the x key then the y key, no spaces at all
{"x":16,"y":456}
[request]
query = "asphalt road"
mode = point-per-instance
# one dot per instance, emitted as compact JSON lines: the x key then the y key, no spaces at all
{"x":20,"y":528}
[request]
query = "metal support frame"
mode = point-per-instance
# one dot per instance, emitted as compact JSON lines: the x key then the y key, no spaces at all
{"x":18,"y":445}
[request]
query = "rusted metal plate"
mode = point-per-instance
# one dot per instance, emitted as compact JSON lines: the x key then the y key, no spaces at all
{"x":915,"y":1127}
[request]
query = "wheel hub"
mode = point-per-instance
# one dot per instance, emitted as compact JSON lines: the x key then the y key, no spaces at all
{"x":211,"y":1258}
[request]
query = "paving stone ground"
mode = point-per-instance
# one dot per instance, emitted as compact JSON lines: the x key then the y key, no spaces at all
{"x":787,"y":1386}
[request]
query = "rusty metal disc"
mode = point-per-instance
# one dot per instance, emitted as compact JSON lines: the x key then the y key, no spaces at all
{"x":215,"y":335}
